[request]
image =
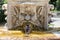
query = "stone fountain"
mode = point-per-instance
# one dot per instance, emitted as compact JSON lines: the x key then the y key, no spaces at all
{"x":26,"y":16}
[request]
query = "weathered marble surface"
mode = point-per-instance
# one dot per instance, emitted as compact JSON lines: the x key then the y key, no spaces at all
{"x":27,"y":38}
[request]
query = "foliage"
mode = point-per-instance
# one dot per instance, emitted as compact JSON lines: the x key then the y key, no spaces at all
{"x":53,"y":2}
{"x":58,"y":5}
{"x":2,"y":16}
{"x":5,"y":1}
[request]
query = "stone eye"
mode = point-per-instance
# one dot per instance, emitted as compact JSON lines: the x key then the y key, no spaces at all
{"x":31,"y":15}
{"x":23,"y":14}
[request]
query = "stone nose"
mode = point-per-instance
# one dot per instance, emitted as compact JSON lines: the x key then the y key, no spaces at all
{"x":27,"y":17}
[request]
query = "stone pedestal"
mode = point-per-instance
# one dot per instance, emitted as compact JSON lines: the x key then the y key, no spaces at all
{"x":27,"y":12}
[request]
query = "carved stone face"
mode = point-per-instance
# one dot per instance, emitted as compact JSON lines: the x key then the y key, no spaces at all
{"x":28,"y":12}
{"x":24,"y":13}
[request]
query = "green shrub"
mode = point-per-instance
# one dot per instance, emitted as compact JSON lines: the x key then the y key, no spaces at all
{"x":2,"y":16}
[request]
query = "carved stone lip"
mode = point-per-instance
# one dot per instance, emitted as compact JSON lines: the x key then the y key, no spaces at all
{"x":29,"y":23}
{"x":26,"y":22}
